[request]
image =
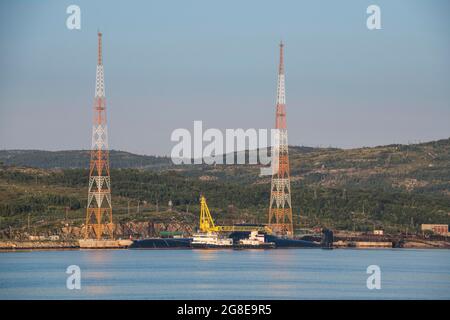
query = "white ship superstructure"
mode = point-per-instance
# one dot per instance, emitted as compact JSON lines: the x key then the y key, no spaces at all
{"x":210,"y":239}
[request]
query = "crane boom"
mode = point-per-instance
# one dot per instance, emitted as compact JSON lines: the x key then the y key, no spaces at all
{"x":207,"y":223}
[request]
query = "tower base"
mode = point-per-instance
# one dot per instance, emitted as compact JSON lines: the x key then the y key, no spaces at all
{"x":282,"y":229}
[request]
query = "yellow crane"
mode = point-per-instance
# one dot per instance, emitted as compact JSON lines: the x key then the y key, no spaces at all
{"x":207,"y":222}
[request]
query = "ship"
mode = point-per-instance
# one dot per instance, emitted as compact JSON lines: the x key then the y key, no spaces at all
{"x":255,"y":240}
{"x":210,"y":240}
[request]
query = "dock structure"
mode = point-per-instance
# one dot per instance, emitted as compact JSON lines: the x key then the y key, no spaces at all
{"x":104,"y":244}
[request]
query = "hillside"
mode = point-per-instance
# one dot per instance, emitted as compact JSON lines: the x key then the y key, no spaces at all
{"x":419,"y":168}
{"x":395,"y":187}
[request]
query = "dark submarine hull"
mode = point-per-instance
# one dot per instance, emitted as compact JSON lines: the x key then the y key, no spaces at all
{"x":292,"y":243}
{"x":162,"y":243}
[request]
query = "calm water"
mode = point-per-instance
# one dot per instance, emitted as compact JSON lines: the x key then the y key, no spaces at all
{"x":226,"y":274}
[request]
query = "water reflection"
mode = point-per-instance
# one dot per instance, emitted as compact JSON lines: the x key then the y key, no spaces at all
{"x":207,"y":255}
{"x":97,"y":290}
{"x":97,"y":256}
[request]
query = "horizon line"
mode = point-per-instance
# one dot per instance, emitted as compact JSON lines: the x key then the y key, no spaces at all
{"x":291,"y":146}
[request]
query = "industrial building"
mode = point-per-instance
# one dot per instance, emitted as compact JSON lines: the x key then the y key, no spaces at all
{"x":441,"y":229}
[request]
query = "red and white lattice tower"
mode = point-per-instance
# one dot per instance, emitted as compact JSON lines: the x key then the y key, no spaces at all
{"x":99,"y":209}
{"x":280,"y":209}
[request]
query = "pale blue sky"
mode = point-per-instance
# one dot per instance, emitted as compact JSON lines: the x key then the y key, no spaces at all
{"x":168,"y":63}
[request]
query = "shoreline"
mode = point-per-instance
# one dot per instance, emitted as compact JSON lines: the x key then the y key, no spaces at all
{"x":9,"y":246}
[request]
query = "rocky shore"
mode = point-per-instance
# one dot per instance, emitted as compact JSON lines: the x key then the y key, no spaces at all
{"x":69,"y":233}
{"x":24,"y":245}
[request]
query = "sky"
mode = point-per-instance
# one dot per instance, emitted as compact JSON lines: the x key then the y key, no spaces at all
{"x":169,"y":63}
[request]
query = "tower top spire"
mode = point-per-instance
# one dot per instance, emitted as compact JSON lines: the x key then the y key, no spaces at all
{"x":99,"y":48}
{"x":281,"y":95}
{"x":281,"y":67}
